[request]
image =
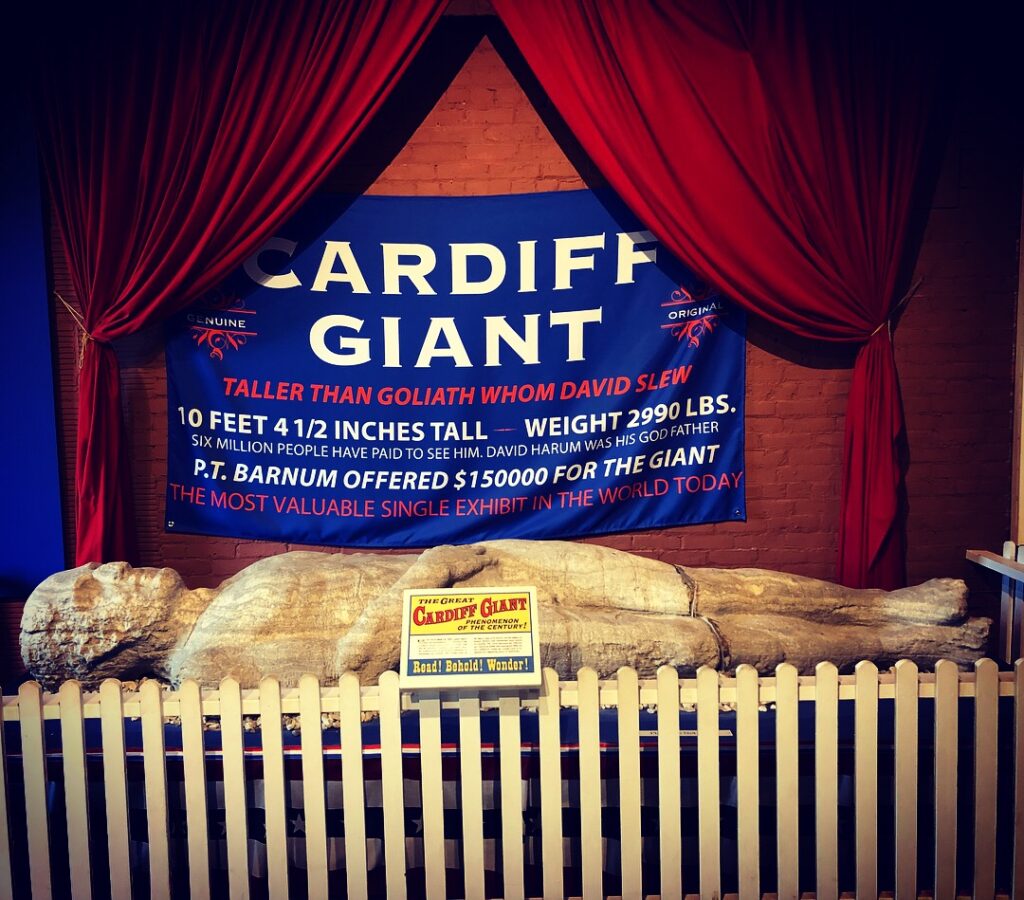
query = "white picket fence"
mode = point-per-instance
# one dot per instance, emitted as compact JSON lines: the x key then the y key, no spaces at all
{"x":826,"y":690}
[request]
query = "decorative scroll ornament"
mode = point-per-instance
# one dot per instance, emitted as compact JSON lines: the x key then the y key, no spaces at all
{"x":692,"y":329}
{"x":218,"y":339}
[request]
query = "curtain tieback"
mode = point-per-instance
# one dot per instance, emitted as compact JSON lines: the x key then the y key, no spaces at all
{"x":83,"y":335}
{"x":906,"y":299}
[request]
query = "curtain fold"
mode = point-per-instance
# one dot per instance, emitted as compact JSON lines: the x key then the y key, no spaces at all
{"x":175,"y":139}
{"x":775,"y":148}
{"x":873,"y":545}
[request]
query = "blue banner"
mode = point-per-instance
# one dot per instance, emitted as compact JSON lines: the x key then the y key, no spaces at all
{"x":410,"y":371}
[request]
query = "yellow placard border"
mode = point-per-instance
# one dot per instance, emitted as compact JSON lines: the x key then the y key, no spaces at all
{"x":457,"y":680}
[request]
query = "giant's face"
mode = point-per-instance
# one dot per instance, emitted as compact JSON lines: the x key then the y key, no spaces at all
{"x":109,"y":620}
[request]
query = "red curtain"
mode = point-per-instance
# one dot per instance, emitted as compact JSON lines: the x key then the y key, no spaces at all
{"x":775,"y":148}
{"x":176,"y":137}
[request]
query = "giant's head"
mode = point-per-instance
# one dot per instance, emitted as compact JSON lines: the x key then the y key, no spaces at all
{"x":110,"y":620}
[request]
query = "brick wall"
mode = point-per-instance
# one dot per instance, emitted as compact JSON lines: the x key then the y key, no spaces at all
{"x":485,"y":133}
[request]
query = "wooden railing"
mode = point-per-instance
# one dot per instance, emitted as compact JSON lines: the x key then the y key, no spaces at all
{"x":1011,"y":604}
{"x":946,"y":690}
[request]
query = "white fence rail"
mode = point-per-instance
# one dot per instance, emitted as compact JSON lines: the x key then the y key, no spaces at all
{"x":779,"y":735}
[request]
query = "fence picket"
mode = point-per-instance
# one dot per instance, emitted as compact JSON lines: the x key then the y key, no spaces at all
{"x":510,"y":741}
{"x":708,"y":800}
{"x":787,"y":780}
{"x":905,"y":753}
{"x":115,"y":790}
{"x":826,"y":779}
{"x":392,"y":783}
{"x":314,"y":792}
{"x":590,"y":783}
{"x":548,"y":708}
{"x":748,"y":837}
{"x":352,"y":789}
{"x":275,"y":810}
{"x":194,"y":765}
{"x":471,"y":777}
{"x":33,"y":754}
{"x":6,"y":874}
{"x":669,"y":795}
{"x":155,"y":775}
{"x":630,"y":840}
{"x":866,"y":776}
{"x":193,"y":754}
{"x":947,"y":699}
{"x":236,"y":827}
{"x":986,"y":727}
{"x":76,"y":791}
{"x":1018,"y":781}
{"x":432,"y":792}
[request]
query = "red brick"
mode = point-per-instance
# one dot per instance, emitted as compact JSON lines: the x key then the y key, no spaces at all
{"x":410,"y":171}
{"x":437,"y":153}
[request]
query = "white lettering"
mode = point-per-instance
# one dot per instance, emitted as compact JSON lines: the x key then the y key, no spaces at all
{"x":278,"y":282}
{"x":566,"y":263}
{"x":629,"y":256}
{"x":416,"y":272}
{"x":527,"y":267}
{"x":358,"y":349}
{"x":525,"y":345}
{"x":460,"y":279}
{"x":392,"y":357}
{"x":455,"y":350}
{"x":340,"y":250}
{"x":575,"y":320}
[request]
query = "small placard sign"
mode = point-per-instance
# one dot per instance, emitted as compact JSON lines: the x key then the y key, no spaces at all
{"x":480,"y":637}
